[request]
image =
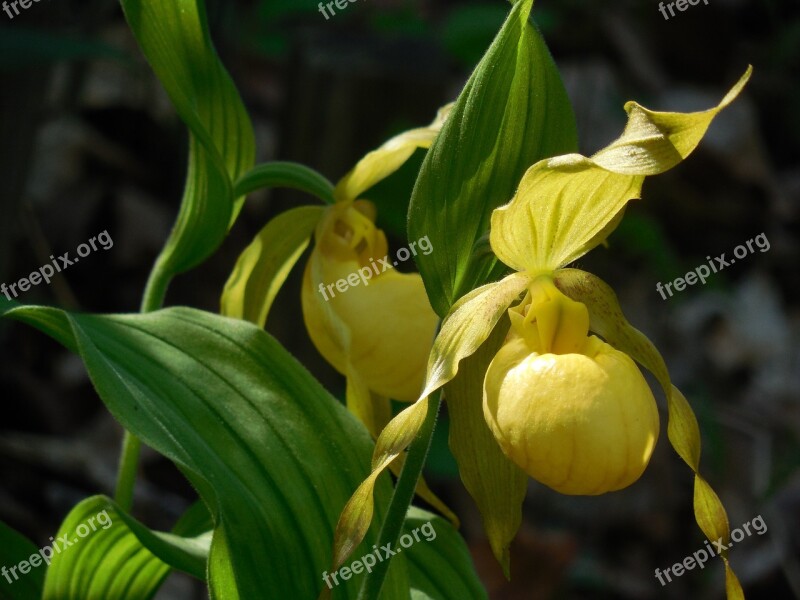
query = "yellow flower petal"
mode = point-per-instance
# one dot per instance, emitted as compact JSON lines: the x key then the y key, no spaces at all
{"x":467,"y":326}
{"x":564,"y":205}
{"x":469,"y":323}
{"x":380,"y":163}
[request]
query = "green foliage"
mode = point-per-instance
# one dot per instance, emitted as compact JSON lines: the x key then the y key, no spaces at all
{"x":107,"y":558}
{"x":272,"y":453}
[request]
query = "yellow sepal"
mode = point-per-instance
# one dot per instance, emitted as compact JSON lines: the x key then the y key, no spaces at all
{"x":564,"y":205}
{"x":380,"y":163}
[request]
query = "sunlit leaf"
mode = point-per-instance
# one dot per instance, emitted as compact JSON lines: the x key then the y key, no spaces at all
{"x":106,"y":559}
{"x":273,"y":455}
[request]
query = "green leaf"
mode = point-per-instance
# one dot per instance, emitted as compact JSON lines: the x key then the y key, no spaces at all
{"x":174,"y":37}
{"x":97,"y":555}
{"x":272,"y":454}
{"x":440,"y":566}
{"x":186,"y":548}
{"x":513,"y":112}
{"x":15,"y":585}
{"x":262,"y":268}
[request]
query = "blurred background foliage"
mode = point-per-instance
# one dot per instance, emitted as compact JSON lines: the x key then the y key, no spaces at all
{"x":88,"y":141}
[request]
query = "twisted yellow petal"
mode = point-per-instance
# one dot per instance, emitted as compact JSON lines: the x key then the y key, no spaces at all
{"x":380,"y":163}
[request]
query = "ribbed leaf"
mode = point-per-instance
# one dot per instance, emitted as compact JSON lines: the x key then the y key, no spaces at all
{"x":285,"y":175}
{"x":174,"y":36}
{"x":513,"y":112}
{"x":96,"y":555}
{"x":272,"y":454}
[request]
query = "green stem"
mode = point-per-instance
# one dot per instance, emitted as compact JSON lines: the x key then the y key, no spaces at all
{"x":401,"y":499}
{"x":153,"y":299}
{"x":128,"y":465}
{"x":284,"y":175}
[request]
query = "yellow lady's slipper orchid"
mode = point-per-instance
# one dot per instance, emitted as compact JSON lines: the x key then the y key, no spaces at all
{"x":379,"y":331}
{"x":382,"y":328}
{"x":571,"y":410}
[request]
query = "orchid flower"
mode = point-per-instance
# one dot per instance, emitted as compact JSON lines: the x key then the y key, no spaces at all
{"x":568,"y":408}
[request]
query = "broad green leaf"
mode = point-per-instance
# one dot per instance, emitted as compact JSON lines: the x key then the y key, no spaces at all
{"x":608,"y":321}
{"x":97,"y":555}
{"x":14,"y":584}
{"x":265,"y":264}
{"x":272,"y":454}
{"x":284,"y":175}
{"x":567,"y":205}
{"x":496,"y":484}
{"x":440,"y":566}
{"x":513,"y":112}
{"x":174,"y":36}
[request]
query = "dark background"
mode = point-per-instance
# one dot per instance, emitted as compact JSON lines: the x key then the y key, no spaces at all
{"x":89,"y":142}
